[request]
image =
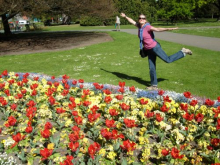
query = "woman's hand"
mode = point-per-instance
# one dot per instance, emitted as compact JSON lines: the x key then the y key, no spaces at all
{"x":123,"y":15}
{"x":173,"y":28}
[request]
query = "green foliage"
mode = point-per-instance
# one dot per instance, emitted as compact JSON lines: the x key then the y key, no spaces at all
{"x":90,"y":21}
{"x":174,"y":10}
{"x":133,"y":8}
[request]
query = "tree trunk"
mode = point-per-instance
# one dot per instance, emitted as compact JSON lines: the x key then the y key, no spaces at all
{"x":6,"y":25}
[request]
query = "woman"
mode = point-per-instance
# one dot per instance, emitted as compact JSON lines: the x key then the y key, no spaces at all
{"x":152,"y":48}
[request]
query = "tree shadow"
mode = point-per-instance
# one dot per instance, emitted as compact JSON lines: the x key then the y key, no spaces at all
{"x":137,"y":79}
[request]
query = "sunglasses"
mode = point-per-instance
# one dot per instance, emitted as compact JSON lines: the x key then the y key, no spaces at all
{"x":142,"y":18}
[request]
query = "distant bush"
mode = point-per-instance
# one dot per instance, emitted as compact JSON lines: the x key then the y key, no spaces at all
{"x":90,"y":21}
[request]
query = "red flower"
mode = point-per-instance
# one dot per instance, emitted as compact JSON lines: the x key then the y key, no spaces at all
{"x":56,"y":84}
{"x":86,"y":103}
{"x":122,"y":90}
{"x":165,"y":152}
{"x":45,"y":133}
{"x":13,"y":106}
{"x":5,"y":73}
{"x":31,"y":103}
{"x":216,"y":111}
{"x":129,"y":123}
{"x":11,"y":121}
{"x":68,"y":160}
{"x":93,"y":117}
{"x":215,"y":142}
{"x":109,"y":123}
{"x":78,"y":120}
{"x":97,"y":86}
{"x":111,"y":135}
{"x":199,"y":117}
{"x":26,"y":75}
{"x":72,"y":106}
{"x":132,"y":89}
{"x":81,"y":81}
{"x":164,"y":108}
{"x":36,"y":78}
{"x":93,"y":148}
{"x":188,"y":117}
{"x":124,"y":106}
{"x":48,"y":125}
{"x":187,"y":94}
{"x":113,"y":112}
{"x":74,"y":82}
{"x":31,"y":112}
{"x":52,"y":100}
{"x":166,"y":99}
{"x":73,"y":137}
{"x":209,"y":102}
{"x":218,"y":99}
{"x":73,"y":146}
{"x":108,"y":99}
{"x":45,"y":153}
{"x":2,"y":85}
{"x":193,"y":102}
{"x":74,"y":113}
{"x":75,"y":128}
{"x":18,"y":137}
{"x":94,"y":108}
{"x":106,"y":134}
{"x":149,"y":114}
{"x":86,"y":91}
{"x":161,"y":92}
{"x":65,"y":76}
{"x":184,"y":107}
{"x":159,"y":118}
{"x":209,"y":147}
{"x":34,"y":86}
{"x":176,"y":154}
{"x":7,"y":92}
{"x":72,"y":99}
{"x":121,"y":84}
{"x":107,"y":91}
{"x":143,"y":102}
{"x":128,"y":146}
{"x":60,"y":110}
{"x":29,"y":128}
{"x":119,"y":97}
{"x":65,"y":92}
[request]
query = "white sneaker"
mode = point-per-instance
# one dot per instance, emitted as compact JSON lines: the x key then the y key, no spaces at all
{"x":186,"y":51}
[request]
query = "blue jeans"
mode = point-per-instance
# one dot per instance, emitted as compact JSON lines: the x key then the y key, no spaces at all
{"x":152,"y":55}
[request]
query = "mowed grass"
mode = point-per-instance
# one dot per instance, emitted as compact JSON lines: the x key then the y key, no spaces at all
{"x":208,"y":32}
{"x":119,"y":60}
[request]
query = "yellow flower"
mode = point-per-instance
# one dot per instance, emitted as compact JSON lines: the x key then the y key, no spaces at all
{"x":190,"y":138}
{"x":211,"y":128}
{"x":102,"y":152}
{"x":50,"y":146}
{"x":192,"y":128}
{"x":111,"y":155}
{"x":119,"y":125}
{"x":68,"y":122}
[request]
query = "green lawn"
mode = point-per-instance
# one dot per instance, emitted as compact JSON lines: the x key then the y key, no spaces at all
{"x":119,"y":60}
{"x":208,"y":32}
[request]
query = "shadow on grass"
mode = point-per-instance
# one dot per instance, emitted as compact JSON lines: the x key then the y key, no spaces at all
{"x":137,"y":79}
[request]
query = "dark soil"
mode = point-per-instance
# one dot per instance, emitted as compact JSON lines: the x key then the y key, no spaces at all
{"x":26,"y":43}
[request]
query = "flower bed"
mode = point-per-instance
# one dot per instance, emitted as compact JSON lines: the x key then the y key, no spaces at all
{"x":52,"y":120}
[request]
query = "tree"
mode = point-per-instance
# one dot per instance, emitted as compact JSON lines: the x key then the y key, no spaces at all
{"x":133,"y":8}
{"x":9,"y":8}
{"x":174,"y":10}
